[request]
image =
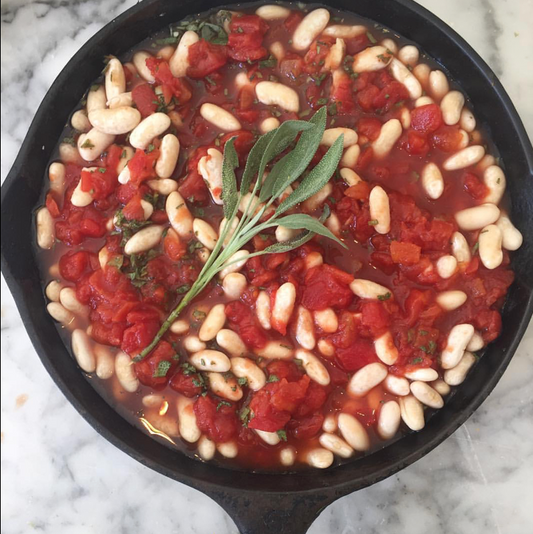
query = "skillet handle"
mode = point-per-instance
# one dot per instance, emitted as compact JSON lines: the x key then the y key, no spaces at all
{"x":280,"y":513}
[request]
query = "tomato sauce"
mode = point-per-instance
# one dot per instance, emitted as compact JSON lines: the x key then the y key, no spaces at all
{"x":130,"y":296}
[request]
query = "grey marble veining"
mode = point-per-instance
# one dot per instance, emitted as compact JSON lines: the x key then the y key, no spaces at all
{"x":60,"y":477}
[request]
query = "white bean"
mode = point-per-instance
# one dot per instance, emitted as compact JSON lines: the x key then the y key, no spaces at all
{"x":422,"y":73}
{"x":396,"y":385}
{"x":163,"y":186}
{"x":210,"y":167}
{"x":205,"y":233}
{"x":277,"y":50}
{"x":188,"y":427}
{"x":452,"y":106}
{"x":391,"y":45}
{"x":271,"y":123}
{"x":283,"y":305}
{"x":53,"y":290}
{"x":380,"y":209}
{"x":150,"y":127}
{"x":96,"y":99}
{"x":246,"y":368}
{"x":336,"y":445}
{"x":126,"y":373}
{"x":427,"y":395}
{"x":206,"y":448}
{"x":460,"y":248}
{"x":371,"y":59}
{"x":219,"y":117}
{"x":423,"y":101}
{"x":56,"y":176}
{"x":458,"y":338}
{"x":69,"y":154}
{"x":179,"y":215}
{"x":124,"y":99}
{"x":234,"y":285}
{"x":490,"y":246}
{"x":270,"y":438}
{"x":262,"y":310}
{"x":326,"y":320}
{"x":432,"y":181}
{"x":330,"y":423}
{"x":365,"y":289}
{"x":319,"y":458}
{"x":350,"y":156}
{"x":494,"y":179}
{"x":451,"y":300}
{"x":311,"y":26}
{"x":116,"y":121}
{"x":228,"y":449}
{"x":511,"y":237}
{"x":313,"y":259}
{"x":405,"y":118}
{"x":403,"y":75}
{"x":227,"y":388}
{"x":115,"y":80}
{"x":446,"y":266}
{"x":353,"y":432}
{"x":59,"y":313}
{"x":272,"y":12}
{"x":332,"y":134}
{"x":287,"y":456}
{"x":70,"y":301}
{"x":145,"y":239}
{"x":152,"y":401}
{"x":335,"y":55}
{"x":350,"y":176}
{"x":105,"y":361}
{"x":464,"y":158}
{"x":316,"y":200}
{"x":422,"y":374}
{"x":367,"y":378}
{"x":277,"y":94}
{"x":83,"y":350}
{"x":441,"y":387}
{"x":179,"y":62}
{"x":477,"y":217}
{"x":456,"y":375}
{"x":476,"y":343}
{"x":139,"y":61}
{"x":285,"y":234}
{"x":390,"y":133}
{"x":79,"y":197}
{"x":231,"y":230}
{"x":211,"y":360}
{"x":412,"y":412}
{"x":231,"y":342}
{"x":93,"y":143}
{"x":438,"y":84}
{"x":385,"y":349}
{"x":169,"y":154}
{"x":235,"y":263}
{"x":467,"y":120}
{"x":179,"y":326}
{"x":275,"y":350}
{"x":389,"y":420}
{"x":79,"y":121}
{"x":326,"y":348}
{"x":313,"y":367}
{"x":45,"y":229}
{"x":345,"y":32}
{"x":193,"y":344}
{"x":305,"y":331}
{"x":409,"y":55}
{"x":213,"y":323}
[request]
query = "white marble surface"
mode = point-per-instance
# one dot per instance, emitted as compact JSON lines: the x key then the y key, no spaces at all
{"x":60,"y":477}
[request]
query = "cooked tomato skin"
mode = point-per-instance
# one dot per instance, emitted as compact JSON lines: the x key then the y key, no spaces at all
{"x":217,"y":421}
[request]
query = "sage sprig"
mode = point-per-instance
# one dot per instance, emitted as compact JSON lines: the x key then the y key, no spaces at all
{"x":283,"y":173}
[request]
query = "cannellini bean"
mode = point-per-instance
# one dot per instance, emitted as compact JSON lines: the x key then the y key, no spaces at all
{"x":366,"y":378}
{"x":153,"y":126}
{"x":227,"y":388}
{"x":179,"y":62}
{"x":313,"y":367}
{"x":476,"y":343}
{"x":422,"y":73}
{"x":390,"y":133}
{"x":441,"y":387}
{"x":446,"y":266}
{"x":231,"y":342}
{"x":477,"y":217}
{"x":380,"y":209}
{"x":115,"y":80}
{"x":79,"y":197}
{"x":69,"y":301}
{"x":115,"y":121}
{"x":490,"y":246}
{"x":350,"y":177}
{"x":353,"y":432}
{"x":231,"y":230}
{"x":458,"y":338}
{"x":332,"y":134}
{"x":486,"y":161}
{"x":285,"y":234}
{"x":336,"y":445}
{"x":59,"y":313}
{"x":427,"y":395}
{"x":166,"y":52}
{"x":438,"y":84}
{"x":403,"y":75}
{"x":235,"y":263}
{"x":211,"y":360}
{"x":175,"y":119}
{"x":460,"y":248}
{"x":467,"y":120}
{"x":511,"y":237}
{"x":83,"y":350}
{"x":326,"y":320}
{"x":53,"y":290}
{"x":80,"y":122}
{"x":193,"y":344}
{"x":405,"y":118}
{"x":432,"y":181}
{"x":125,"y":176}
{"x":451,"y":300}
{"x":262,"y":310}
{"x":316,"y":200}
{"x":96,"y":99}
{"x":213,"y":323}
{"x":169,"y":154}
{"x":277,"y":50}
{"x":313,"y":259}
{"x":105,"y":361}
{"x":272,"y":12}
{"x":144,"y":239}
{"x":69,"y":154}
{"x":206,"y":448}
{"x":385,"y":349}
{"x":234,"y":285}
{"x":205,"y":233}
{"x":93,"y":143}
{"x":456,"y":375}
{"x":45,"y":229}
{"x":246,"y":368}
{"x":326,"y":348}
{"x":452,"y":106}
{"x":269,"y":124}
{"x":179,"y":326}
{"x":423,"y":101}
{"x":305,"y":331}
{"x":210,"y":167}
{"x":126,"y":155}
{"x":163,"y":186}
{"x":219,"y":117}
{"x":283,"y":305}
{"x":139,"y":61}
{"x":350,"y":156}
{"x":389,"y":44}
{"x":494,"y":179}
{"x":311,"y":26}
{"x":319,"y":458}
{"x":56,"y":176}
{"x":270,"y":438}
{"x":333,"y":224}
{"x":464,"y":158}
{"x":330,"y":423}
{"x":396,"y":385}
{"x":371,"y":59}
{"x":389,"y":420}
{"x":275,"y":350}
{"x":365,"y":289}
{"x":412,"y":412}
{"x":335,"y":55}
{"x":148,"y":209}
{"x":152,"y":401}
{"x":179,"y":215}
{"x":409,"y":55}
{"x":345,"y":32}
{"x":126,"y":373}
{"x":277,"y":94}
{"x":287,"y":456}
{"x":228,"y":449}
{"x":188,"y":427}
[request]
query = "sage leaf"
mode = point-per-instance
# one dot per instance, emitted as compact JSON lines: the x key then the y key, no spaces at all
{"x":229,"y":195}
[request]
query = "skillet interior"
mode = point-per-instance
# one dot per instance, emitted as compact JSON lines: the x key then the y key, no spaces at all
{"x":287,"y":503}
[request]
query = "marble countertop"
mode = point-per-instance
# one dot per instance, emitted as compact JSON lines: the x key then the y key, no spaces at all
{"x":61,"y":477}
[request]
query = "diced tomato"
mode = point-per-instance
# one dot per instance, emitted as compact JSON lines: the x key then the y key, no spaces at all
{"x":306,"y":427}
{"x":360,"y":353}
{"x":474,"y":186}
{"x":139,"y":336}
{"x":407,"y":253}
{"x":326,"y":288}
{"x":284,"y":369}
{"x":216,"y":420}
{"x":142,"y":166}
{"x":174,"y":247}
{"x":414,"y":143}
{"x":133,"y":210}
{"x":205,"y":58}
{"x":145,"y":99}
{"x":375,"y":317}
{"x":315,"y":397}
{"x":447,"y":139}
{"x":390,"y":95}
{"x":73,"y":265}
{"x":52,"y":206}
{"x":154,"y":371}
{"x":341,"y":92}
{"x":426,"y":119}
{"x":246,"y":37}
{"x":186,"y":384}
{"x":292,"y":21}
{"x":163,"y":76}
{"x":365,"y":97}
{"x":370,"y":127}
{"x":243,"y":320}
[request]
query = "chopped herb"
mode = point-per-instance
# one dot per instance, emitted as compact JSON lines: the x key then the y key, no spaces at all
{"x":150,"y":148}
{"x":245,"y":416}
{"x":188,"y":369}
{"x":432,"y":347}
{"x":69,"y":141}
{"x":223,"y":403}
{"x":410,"y":336}
{"x":319,"y":79}
{"x":183,"y":289}
{"x":210,"y":80}
{"x":386,"y":296}
{"x":332,"y":109}
{"x":101,"y":170}
{"x":166,"y":41}
{"x":124,"y":154}
{"x":282,"y":435}
{"x":242,"y":381}
{"x":423,"y":332}
{"x":117,"y":262}
{"x":268,"y":63}
{"x":162,"y":369}
{"x":304,"y":113}
{"x":199,"y":315}
{"x":273,"y":378}
{"x":383,"y":58}
{"x":226,"y":92}
{"x":416,"y":176}
{"x":371,"y":38}
{"x":87,"y":144}
{"x":474,"y":248}
{"x":322,"y":101}
{"x":373,"y":222}
{"x":414,"y":361}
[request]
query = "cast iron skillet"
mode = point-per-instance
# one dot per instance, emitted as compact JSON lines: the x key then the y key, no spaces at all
{"x":260,"y":502}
